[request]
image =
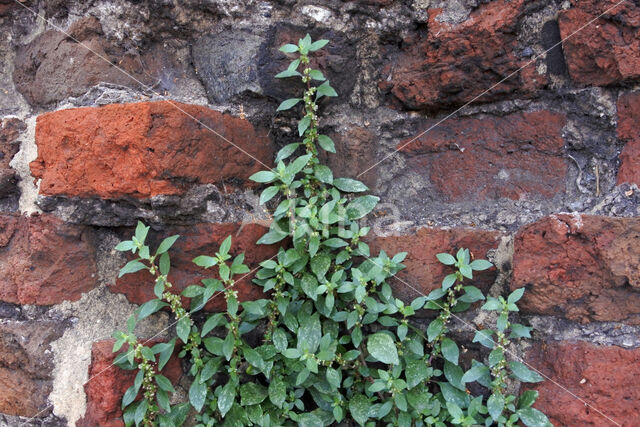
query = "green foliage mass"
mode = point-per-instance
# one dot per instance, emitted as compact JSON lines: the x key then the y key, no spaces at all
{"x":330,"y":344}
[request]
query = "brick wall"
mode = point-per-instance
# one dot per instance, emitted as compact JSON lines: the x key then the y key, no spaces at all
{"x":539,"y":173}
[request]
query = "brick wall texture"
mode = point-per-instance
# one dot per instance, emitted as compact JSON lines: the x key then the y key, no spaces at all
{"x":517,"y":130}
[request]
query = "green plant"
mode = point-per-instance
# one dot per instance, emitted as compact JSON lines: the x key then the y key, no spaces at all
{"x":335,"y":344}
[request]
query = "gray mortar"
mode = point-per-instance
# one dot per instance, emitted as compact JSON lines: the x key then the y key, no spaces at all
{"x":93,"y":318}
{"x":20,"y":163}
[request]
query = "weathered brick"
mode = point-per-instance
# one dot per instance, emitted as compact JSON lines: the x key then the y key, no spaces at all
{"x":452,"y":64}
{"x":354,"y":154}
{"x":424,"y":272}
{"x":518,"y":156}
{"x":606,"y":51}
{"x":628,"y":119}
{"x":143,"y":150}
{"x":581,"y":267}
{"x":45,"y":261}
{"x":201,"y":239}
{"x":107,"y":384}
{"x":26,"y":366}
{"x":604,"y":376}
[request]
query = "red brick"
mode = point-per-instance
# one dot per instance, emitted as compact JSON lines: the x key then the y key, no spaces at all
{"x":424,"y":272}
{"x":355,"y":153}
{"x":45,"y":261}
{"x":606,"y":51}
{"x":107,"y":384}
{"x":604,"y":376}
{"x":585,"y":268}
{"x":142,"y":150}
{"x":26,"y":366}
{"x":517,"y":156}
{"x":201,"y":239}
{"x":452,"y":64}
{"x":628,"y":119}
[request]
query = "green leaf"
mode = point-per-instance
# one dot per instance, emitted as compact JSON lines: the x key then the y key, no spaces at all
{"x":317,"y":75}
{"x":141,"y":232}
{"x":131,"y":267}
{"x":361,"y":206}
{"x":273,"y":236}
{"x":434,"y":329}
{"x":333,"y":378}
{"x":326,"y":143}
{"x":446,"y":259}
{"x":484,"y":337}
{"x":165,"y":264}
{"x":252,"y":394}
{"x":323,"y":174}
{"x":141,"y":411}
{"x":492,"y":304}
{"x":226,"y":398}
{"x":515,"y":296}
{"x":286,"y":151}
{"x":280,"y":340}
{"x":450,"y":350}
{"x":277,"y":392}
{"x":309,"y":333}
{"x":320,"y":265}
{"x":225,"y":246}
{"x":309,"y":285}
{"x":531,"y":417}
{"x":449,"y":280}
{"x":289,"y":48}
{"x":198,"y":393}
{"x":520,"y":331}
{"x":325,"y":89}
{"x":524,"y":374}
{"x":318,"y":44}
{"x":125,"y":245}
{"x":289,"y":103}
{"x":166,"y":354}
{"x":471,"y":295}
{"x":382,"y":348}
{"x":480,"y":265}
{"x":359,"y":408}
{"x":474,"y":373}
{"x":263,"y":177}
{"x":298,"y":164}
{"x":166,"y":244}
{"x":164,"y":383}
{"x":527,"y":399}
{"x":287,"y":73}
{"x":150,"y":307}
{"x":183,"y":327}
{"x":495,"y":405}
{"x":205,"y":261}
{"x":303,"y":125}
{"x":416,"y":372}
{"x":228,"y":345}
{"x":349,"y":185}
{"x":129,"y":396}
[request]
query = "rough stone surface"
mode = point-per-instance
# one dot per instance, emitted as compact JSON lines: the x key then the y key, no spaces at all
{"x":45,"y":261}
{"x":604,"y":376}
{"x":10,"y":130}
{"x":451,"y":64}
{"x":108,"y":384}
{"x":581,"y":267}
{"x":143,"y":150}
{"x":607,"y":52}
{"x":54,"y":66}
{"x":518,"y":156}
{"x":225,"y":68}
{"x":201,"y":239}
{"x":628,"y":119}
{"x":26,"y":363}
{"x":424,"y":272}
